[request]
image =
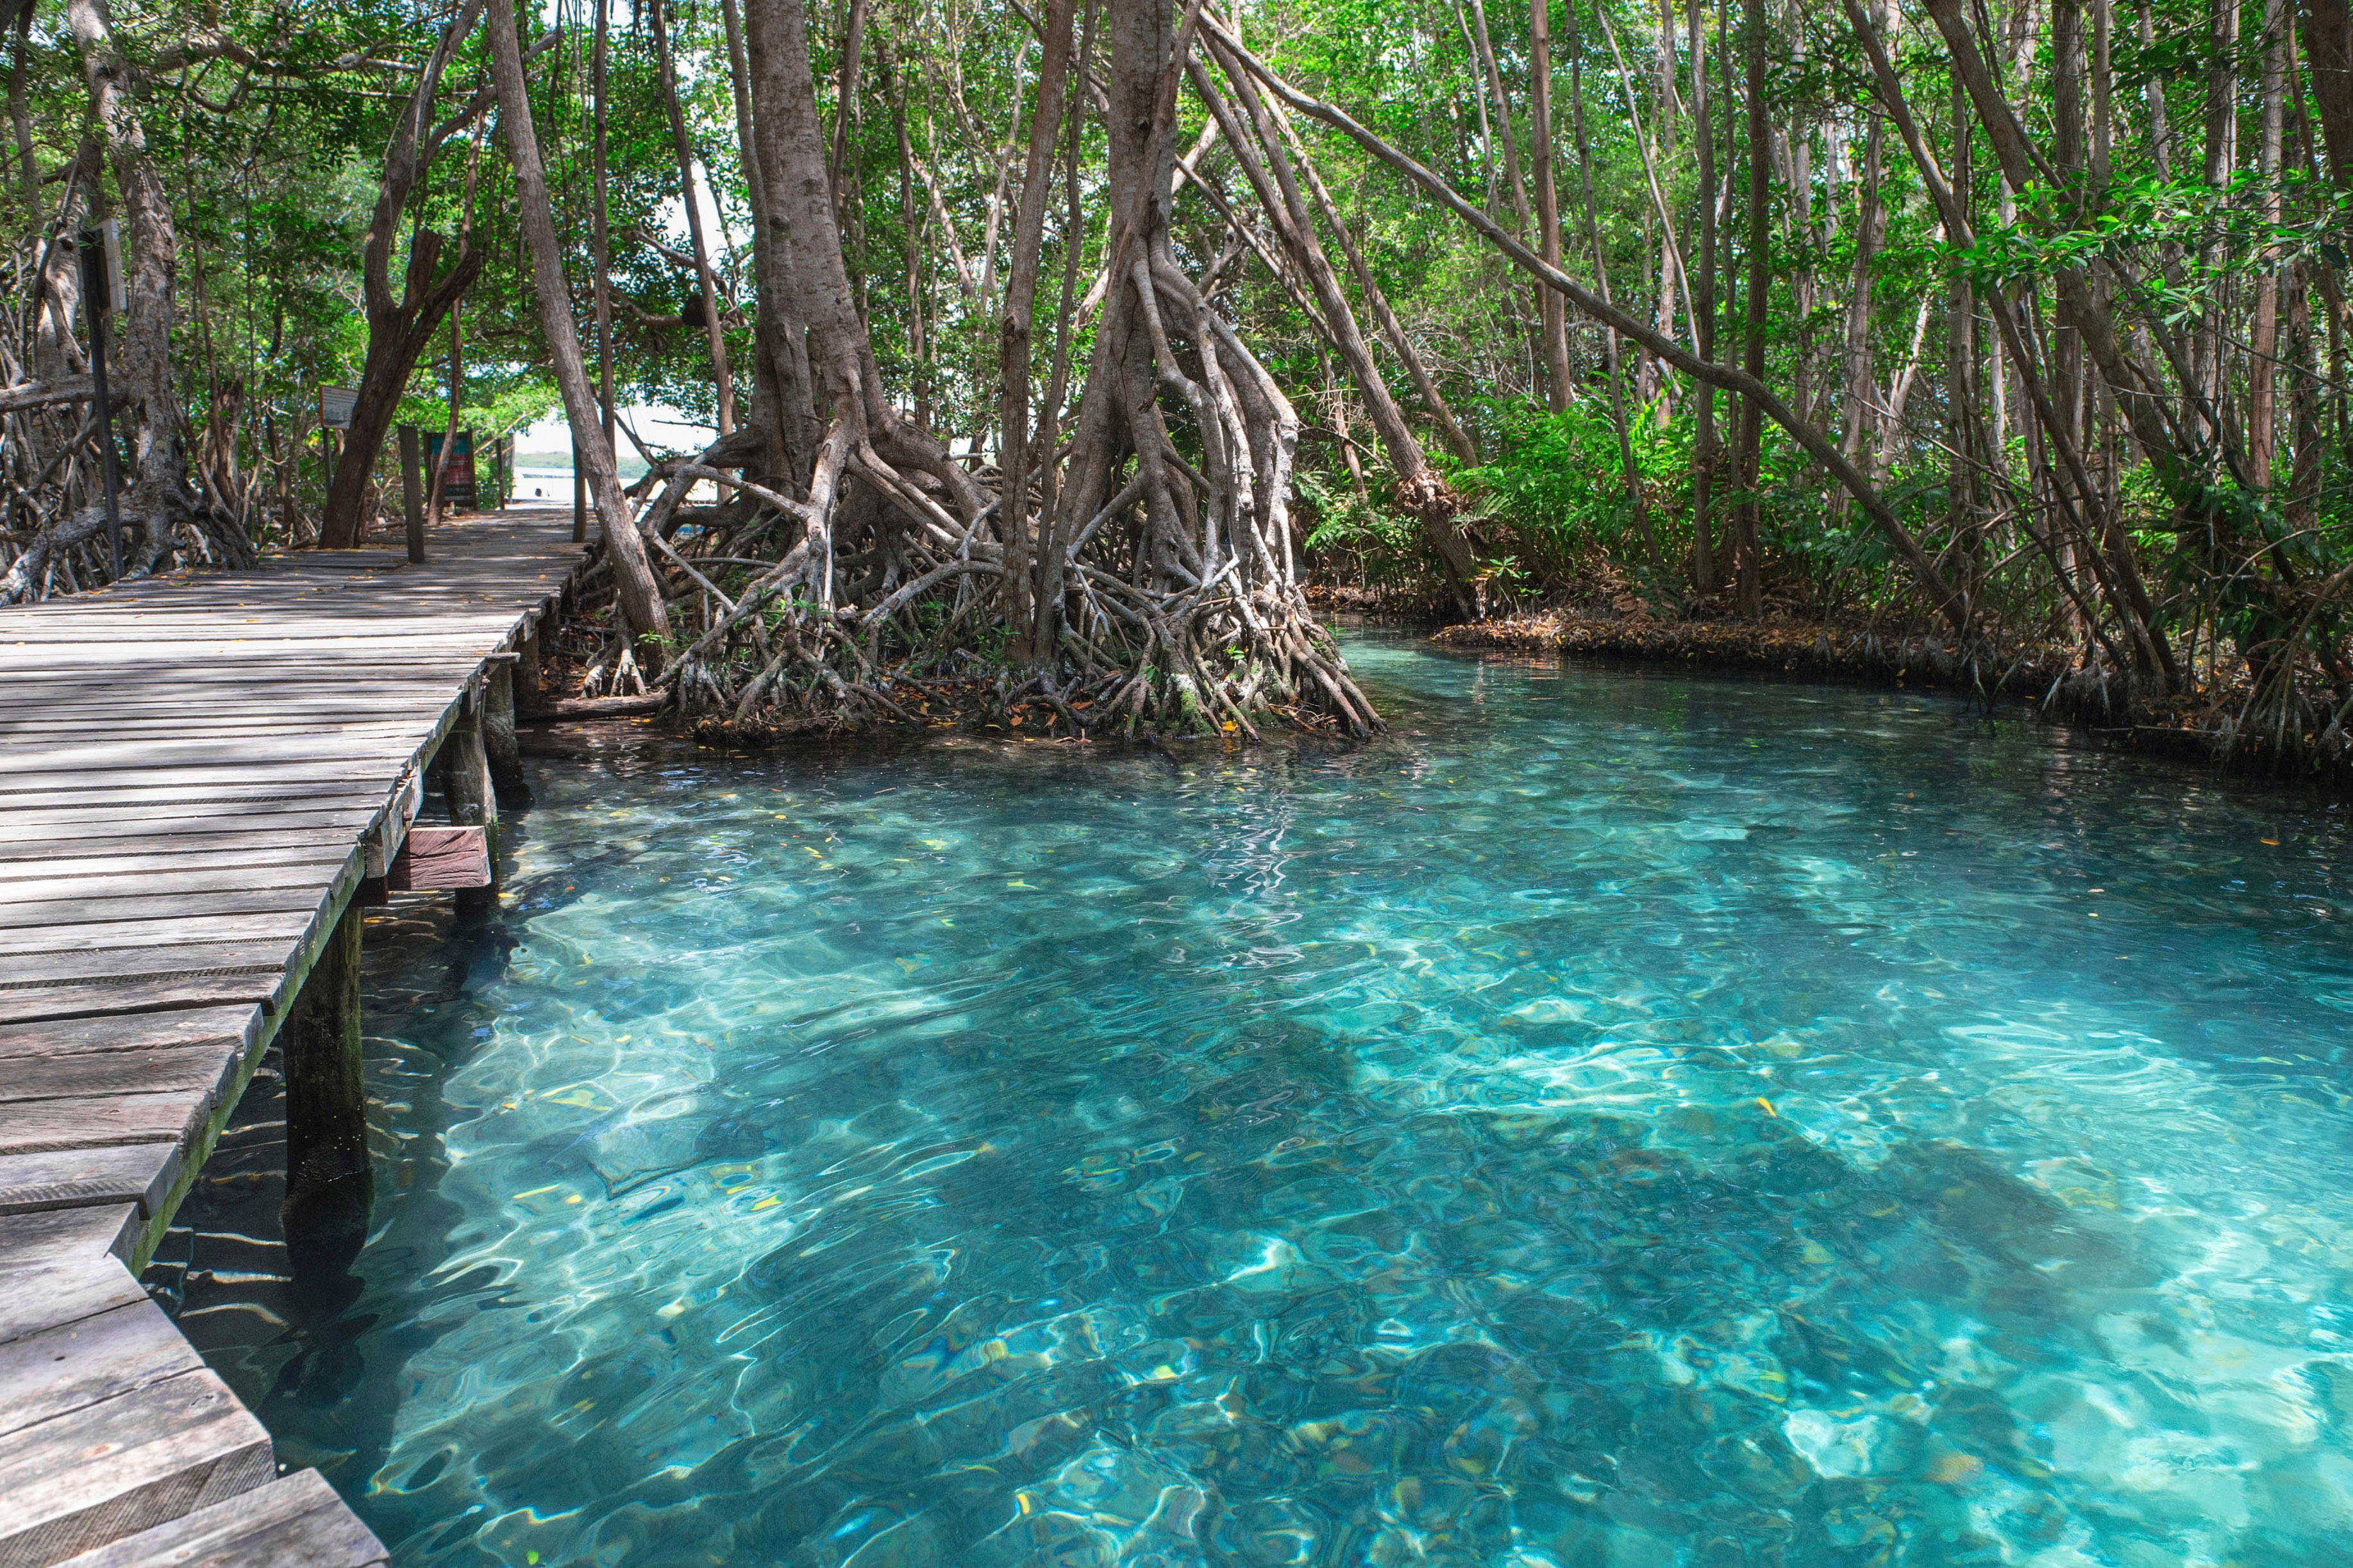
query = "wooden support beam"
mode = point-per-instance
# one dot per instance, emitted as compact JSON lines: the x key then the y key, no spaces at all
{"x":530,"y":683}
{"x":327,"y":1169}
{"x":466,"y":785}
{"x":499,"y":746}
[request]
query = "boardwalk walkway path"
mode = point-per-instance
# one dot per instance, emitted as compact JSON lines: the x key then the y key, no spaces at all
{"x":196,"y":773}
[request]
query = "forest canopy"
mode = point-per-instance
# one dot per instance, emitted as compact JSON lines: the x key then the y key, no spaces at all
{"x":1063,"y":347}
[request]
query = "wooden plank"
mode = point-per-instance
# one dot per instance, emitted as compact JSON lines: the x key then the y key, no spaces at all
{"x":93,"y":1121}
{"x":168,"y":1069}
{"x":153,"y":1455}
{"x":316,"y":868}
{"x":60,"y":914}
{"x":57,"y":1003}
{"x":57,"y":1265}
{"x":287,"y":854}
{"x":296,"y":1519}
{"x":218,"y":792}
{"x":139,"y":1174}
{"x":441,"y":858}
{"x":126,"y":965}
{"x":159,"y":935}
{"x":175,"y":829}
{"x":63,"y":1369}
{"x":233,"y":1027}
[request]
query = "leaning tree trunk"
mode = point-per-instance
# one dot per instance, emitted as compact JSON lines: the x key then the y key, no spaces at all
{"x":1422,"y":491}
{"x":633,"y":578}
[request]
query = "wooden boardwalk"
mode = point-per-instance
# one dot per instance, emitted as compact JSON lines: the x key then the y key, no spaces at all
{"x":196,"y":773}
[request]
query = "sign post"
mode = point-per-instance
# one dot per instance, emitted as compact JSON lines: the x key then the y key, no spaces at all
{"x":101,"y":289}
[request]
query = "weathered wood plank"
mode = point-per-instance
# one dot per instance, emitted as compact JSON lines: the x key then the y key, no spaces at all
{"x":48,"y":914}
{"x":96,"y":1474}
{"x":231,"y":1027}
{"x":164,"y":1071}
{"x":288,"y":860}
{"x":58,"y":1265}
{"x":296,"y":1519}
{"x":62,"y":1369}
{"x":155,"y":935}
{"x":99,"y":1000}
{"x":140,"y":1174}
{"x":139,"y":964}
{"x":93,"y":1121}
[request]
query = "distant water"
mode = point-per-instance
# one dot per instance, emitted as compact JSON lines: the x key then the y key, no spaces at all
{"x":1615,"y":1120}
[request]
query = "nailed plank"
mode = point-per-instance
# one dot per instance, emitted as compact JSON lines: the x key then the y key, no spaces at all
{"x":97,"y":829}
{"x":297,"y":853}
{"x":140,"y":963}
{"x":93,"y":1121}
{"x":233,"y":1027}
{"x":58,"y":1265}
{"x":167,"y":1069}
{"x":154,"y":933}
{"x":141,"y":1459}
{"x":140,"y":936}
{"x":71,"y":1365}
{"x":99,"y":999}
{"x":296,"y":1519}
{"x":54,"y":913}
{"x":139,"y":1174}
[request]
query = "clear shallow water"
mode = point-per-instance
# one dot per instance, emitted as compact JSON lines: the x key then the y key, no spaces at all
{"x":1616,"y":1120}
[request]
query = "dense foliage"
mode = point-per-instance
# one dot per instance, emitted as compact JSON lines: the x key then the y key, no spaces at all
{"x":2061,"y":282}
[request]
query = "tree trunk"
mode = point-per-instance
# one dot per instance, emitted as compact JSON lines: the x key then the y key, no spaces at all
{"x":2262,"y":377}
{"x":1704,"y":449}
{"x":1871,"y":229}
{"x":27,"y":171}
{"x":1634,"y":497}
{"x":633,"y":579}
{"x":1421,"y":491}
{"x":1016,"y":525}
{"x":156,"y":499}
{"x":714,"y":326}
{"x":2327,"y":34}
{"x":1558,"y":388}
{"x":401,"y":328}
{"x":1938,"y":590}
{"x":1749,"y":590}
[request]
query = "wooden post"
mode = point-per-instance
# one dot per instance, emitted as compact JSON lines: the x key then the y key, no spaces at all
{"x":412,"y":500}
{"x":328,"y":1183}
{"x":530,"y":691}
{"x":499,"y":746}
{"x":466,"y":785}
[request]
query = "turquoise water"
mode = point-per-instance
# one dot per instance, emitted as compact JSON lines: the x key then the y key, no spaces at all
{"x":1615,"y":1120}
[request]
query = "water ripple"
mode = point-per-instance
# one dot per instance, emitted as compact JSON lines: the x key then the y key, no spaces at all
{"x":1615,"y":1120}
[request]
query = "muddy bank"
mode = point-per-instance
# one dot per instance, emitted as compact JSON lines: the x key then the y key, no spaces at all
{"x":2217,"y":724}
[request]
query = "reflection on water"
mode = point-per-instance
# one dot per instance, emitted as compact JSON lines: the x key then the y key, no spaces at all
{"x":1613,"y":1120}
